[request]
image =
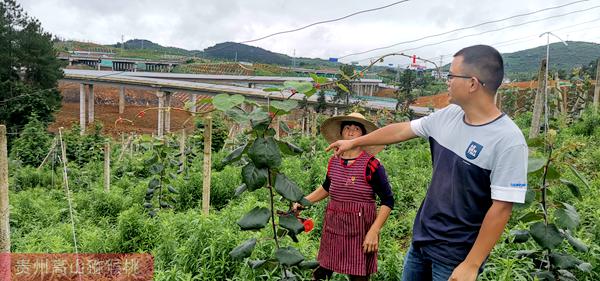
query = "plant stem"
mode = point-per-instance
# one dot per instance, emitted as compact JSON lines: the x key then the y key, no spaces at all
{"x":544,"y":197}
{"x":270,"y":186}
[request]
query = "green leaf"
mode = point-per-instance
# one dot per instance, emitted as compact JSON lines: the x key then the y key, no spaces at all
{"x":285,"y":106}
{"x":287,"y":188}
{"x":576,"y":243}
{"x":579,"y":176}
{"x":172,"y":189}
{"x":291,"y":223}
{"x":235,"y":155}
{"x":256,"y":264}
{"x":225,"y":102}
{"x":244,"y":250}
{"x":565,"y":275}
{"x":253,"y":177}
{"x":310,"y":93}
{"x":264,"y":152}
{"x":531,"y":216}
{"x":529,"y":198}
{"x":526,"y":253}
{"x":585,"y":267}
{"x":535,"y":164}
{"x":520,"y":235}
{"x":153,"y":183}
{"x":157,"y":168}
{"x":237,"y":115}
{"x":552,"y":173}
{"x":288,"y":256}
{"x":341,"y":86}
{"x":318,"y":79}
{"x":544,"y":276}
{"x":563,"y":261}
{"x":300,"y":87}
{"x":289,"y":148}
{"x":548,"y":237}
{"x":257,"y":218}
{"x":573,"y":187}
{"x":309,"y":264}
{"x":272,"y":89}
{"x":283,"y":125}
{"x":240,"y":189}
{"x":567,"y":218}
{"x":536,"y":142}
{"x":258,"y":115}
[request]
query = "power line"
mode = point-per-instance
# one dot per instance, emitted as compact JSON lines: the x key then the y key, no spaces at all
{"x":462,"y":28}
{"x":317,"y":23}
{"x":489,"y":31}
{"x":328,"y":21}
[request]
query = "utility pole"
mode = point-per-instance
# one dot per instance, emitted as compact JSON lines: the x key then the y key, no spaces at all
{"x":122,"y":42}
{"x":548,"y":33}
{"x":294,"y":59}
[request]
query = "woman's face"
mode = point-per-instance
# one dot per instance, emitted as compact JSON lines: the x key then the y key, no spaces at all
{"x":351,"y":132}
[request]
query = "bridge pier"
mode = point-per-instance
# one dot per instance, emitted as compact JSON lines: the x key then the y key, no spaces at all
{"x":167,"y":111}
{"x":161,"y":105}
{"x":82,"y":95}
{"x":193,"y":99}
{"x":121,"y":99}
{"x":91,"y":101}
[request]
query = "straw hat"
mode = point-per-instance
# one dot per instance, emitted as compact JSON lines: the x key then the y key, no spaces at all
{"x":332,"y":127}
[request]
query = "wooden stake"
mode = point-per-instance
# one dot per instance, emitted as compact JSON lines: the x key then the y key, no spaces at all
{"x":538,"y":106}
{"x":182,"y":147}
{"x":597,"y":88}
{"x":4,"y":206}
{"x":107,"y":167}
{"x":207,"y":164}
{"x":48,"y":155}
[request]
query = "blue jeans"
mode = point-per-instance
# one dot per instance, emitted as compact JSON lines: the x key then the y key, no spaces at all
{"x":419,"y":266}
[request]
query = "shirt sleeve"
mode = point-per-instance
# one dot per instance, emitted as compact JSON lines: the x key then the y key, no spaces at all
{"x":379,"y":181}
{"x":326,"y":183}
{"x":509,"y":175}
{"x":423,"y":126}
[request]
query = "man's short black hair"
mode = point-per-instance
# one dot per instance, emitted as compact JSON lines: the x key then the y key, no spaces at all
{"x":486,"y":64}
{"x":361,"y":126}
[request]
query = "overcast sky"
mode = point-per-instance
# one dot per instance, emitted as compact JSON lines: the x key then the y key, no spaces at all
{"x":193,"y":24}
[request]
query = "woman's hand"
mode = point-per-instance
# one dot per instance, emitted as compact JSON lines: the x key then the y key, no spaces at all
{"x":371,"y":243}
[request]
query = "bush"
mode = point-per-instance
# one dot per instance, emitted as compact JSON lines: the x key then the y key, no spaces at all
{"x":33,"y":144}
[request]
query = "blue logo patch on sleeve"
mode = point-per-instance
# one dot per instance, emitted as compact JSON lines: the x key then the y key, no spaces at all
{"x":473,"y":150}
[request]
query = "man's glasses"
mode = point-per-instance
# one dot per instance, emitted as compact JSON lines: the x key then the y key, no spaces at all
{"x":452,"y":76}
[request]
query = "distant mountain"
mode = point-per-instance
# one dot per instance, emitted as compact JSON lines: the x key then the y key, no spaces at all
{"x":241,"y":52}
{"x":561,"y":57}
{"x":143,"y":44}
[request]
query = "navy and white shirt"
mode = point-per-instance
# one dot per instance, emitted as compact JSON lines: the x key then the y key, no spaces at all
{"x":472,"y":165}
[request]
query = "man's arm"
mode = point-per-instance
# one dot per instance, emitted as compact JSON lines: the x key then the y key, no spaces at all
{"x":491,"y":229}
{"x":389,"y":134}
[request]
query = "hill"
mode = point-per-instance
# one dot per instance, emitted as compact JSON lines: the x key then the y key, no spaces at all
{"x":563,"y":57}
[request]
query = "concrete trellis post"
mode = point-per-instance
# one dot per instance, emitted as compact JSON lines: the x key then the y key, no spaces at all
{"x":107,"y":167}
{"x":4,"y":206}
{"x":207,"y":164}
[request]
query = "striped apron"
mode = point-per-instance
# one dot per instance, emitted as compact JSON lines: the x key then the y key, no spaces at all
{"x":349,"y":214}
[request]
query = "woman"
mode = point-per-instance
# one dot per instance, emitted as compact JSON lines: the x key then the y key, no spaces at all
{"x":350,"y":237}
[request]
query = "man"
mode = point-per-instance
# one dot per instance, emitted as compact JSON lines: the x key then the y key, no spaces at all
{"x":479,"y":169}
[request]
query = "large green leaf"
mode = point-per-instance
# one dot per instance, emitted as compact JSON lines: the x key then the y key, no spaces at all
{"x":529,"y":198}
{"x":576,"y":243}
{"x":244,"y":250}
{"x":285,"y":106}
{"x":291,"y":223}
{"x":567,"y":217}
{"x":544,"y":276}
{"x":258,"y":115}
{"x":579,"y":176}
{"x":548,"y":237}
{"x":253,"y":177}
{"x":257,"y":218}
{"x":300,"y":87}
{"x":288,"y":189}
{"x":226,"y":102}
{"x":535,"y":142}
{"x":309,"y":264}
{"x":235,"y":155}
{"x":520,"y":235}
{"x":563,"y":261}
{"x":344,"y":88}
{"x":153,"y":183}
{"x":264,"y":152}
{"x":535,"y":164}
{"x":573,"y":187}
{"x":289,"y":148}
{"x":240,"y":189}
{"x":237,"y":115}
{"x":531,"y":216}
{"x":157,"y":168}
{"x":288,"y":256}
{"x":256,"y":264}
{"x":585,"y":267}
{"x":565,"y":275}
